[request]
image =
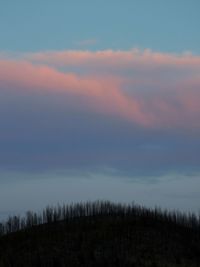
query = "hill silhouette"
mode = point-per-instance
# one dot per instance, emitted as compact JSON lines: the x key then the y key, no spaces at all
{"x":100,"y":233}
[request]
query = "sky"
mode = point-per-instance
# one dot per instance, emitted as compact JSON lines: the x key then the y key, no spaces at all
{"x":99,"y":100}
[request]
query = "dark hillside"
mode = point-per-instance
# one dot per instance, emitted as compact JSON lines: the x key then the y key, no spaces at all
{"x":101,"y":234}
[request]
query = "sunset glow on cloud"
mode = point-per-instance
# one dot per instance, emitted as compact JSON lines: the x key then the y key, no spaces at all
{"x":147,"y":88}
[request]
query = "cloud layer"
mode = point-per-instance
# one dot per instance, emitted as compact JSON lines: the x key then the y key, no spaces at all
{"x":144,"y":87}
{"x":134,"y":111}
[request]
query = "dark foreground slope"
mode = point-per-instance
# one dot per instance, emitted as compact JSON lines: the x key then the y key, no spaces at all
{"x":101,"y":234}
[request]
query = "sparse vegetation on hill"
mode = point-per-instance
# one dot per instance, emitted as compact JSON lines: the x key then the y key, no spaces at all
{"x":100,"y":234}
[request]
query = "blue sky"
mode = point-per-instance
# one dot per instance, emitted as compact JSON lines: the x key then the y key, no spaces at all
{"x":100,"y":95}
{"x":49,"y":25}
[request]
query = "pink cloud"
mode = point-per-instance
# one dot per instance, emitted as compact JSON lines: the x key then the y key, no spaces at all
{"x":103,"y":95}
{"x":153,"y":97}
